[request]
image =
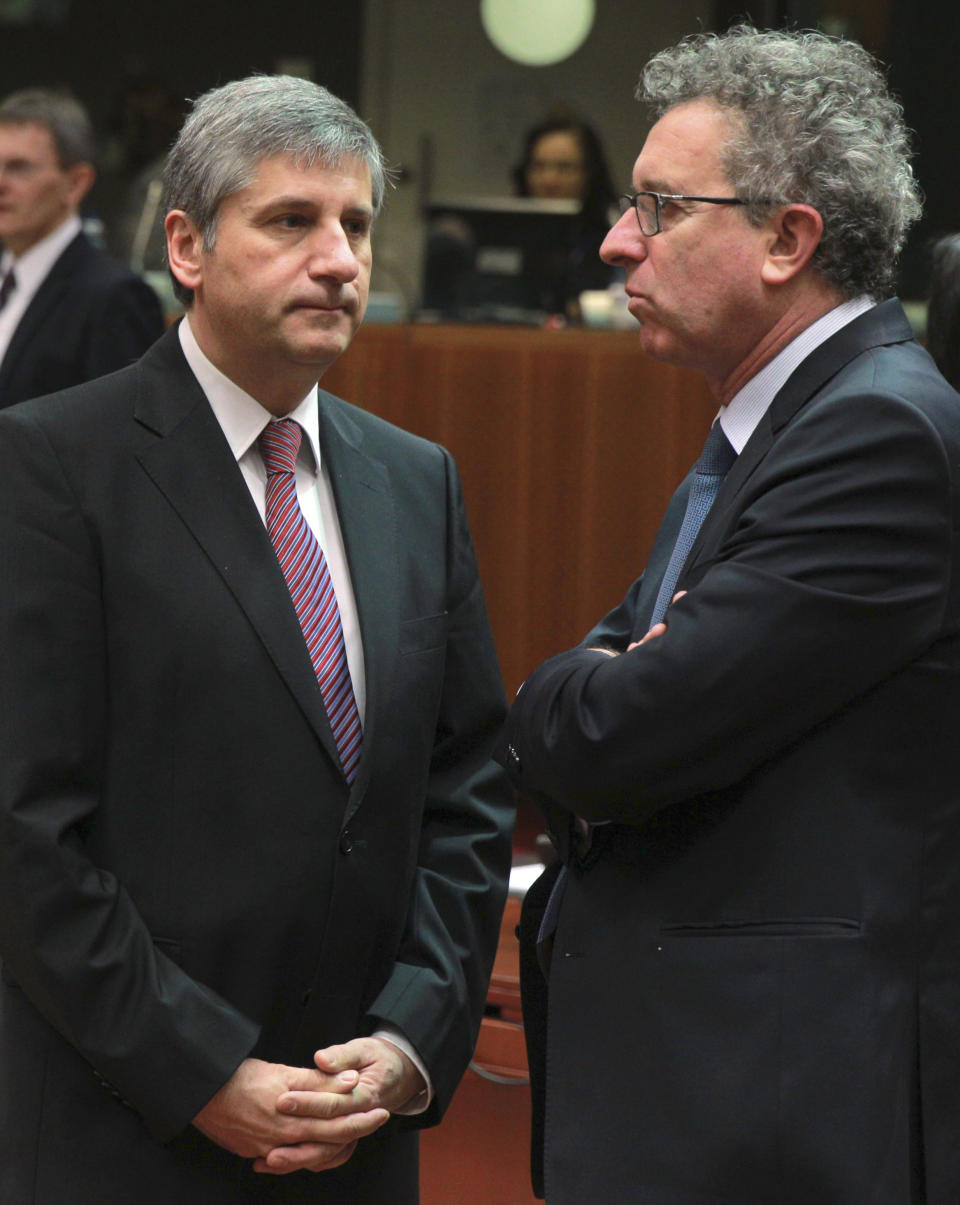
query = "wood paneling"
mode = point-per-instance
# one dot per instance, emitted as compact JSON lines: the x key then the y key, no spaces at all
{"x":569,"y":444}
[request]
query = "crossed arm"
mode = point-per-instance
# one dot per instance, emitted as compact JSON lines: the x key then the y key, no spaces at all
{"x":839,"y":540}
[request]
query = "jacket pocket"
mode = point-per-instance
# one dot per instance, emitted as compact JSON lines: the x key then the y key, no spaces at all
{"x":422,"y":635}
{"x":791,"y":926}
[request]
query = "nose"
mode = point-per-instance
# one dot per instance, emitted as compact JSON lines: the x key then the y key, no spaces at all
{"x":332,"y":255}
{"x":625,"y":243}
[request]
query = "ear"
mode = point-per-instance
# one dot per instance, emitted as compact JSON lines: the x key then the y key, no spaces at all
{"x":184,"y":249}
{"x":795,"y":232}
{"x":80,"y":178}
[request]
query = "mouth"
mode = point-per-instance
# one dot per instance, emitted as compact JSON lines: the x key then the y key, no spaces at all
{"x":322,"y":313}
{"x":638,"y":306}
{"x":333,"y":300}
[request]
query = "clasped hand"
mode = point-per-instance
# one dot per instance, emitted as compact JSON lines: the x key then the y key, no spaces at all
{"x":298,"y":1118}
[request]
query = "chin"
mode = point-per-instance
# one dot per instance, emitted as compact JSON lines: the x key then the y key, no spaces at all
{"x":653,"y":339}
{"x":321,"y":355}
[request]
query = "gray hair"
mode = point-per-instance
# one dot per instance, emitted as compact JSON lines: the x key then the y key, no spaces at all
{"x":814,"y":123}
{"x":232,"y":128}
{"x":60,"y":114}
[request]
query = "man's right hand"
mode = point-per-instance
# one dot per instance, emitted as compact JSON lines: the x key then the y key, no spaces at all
{"x":243,"y":1115}
{"x":658,"y":629}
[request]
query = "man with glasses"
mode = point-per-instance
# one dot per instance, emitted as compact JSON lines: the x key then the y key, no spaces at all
{"x":750,"y":950}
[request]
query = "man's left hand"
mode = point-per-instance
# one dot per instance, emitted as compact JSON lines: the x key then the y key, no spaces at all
{"x":388,"y":1080}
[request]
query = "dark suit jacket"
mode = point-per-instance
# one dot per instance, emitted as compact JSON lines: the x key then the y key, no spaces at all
{"x":185,"y":877}
{"x":91,"y":315}
{"x":754,"y":993}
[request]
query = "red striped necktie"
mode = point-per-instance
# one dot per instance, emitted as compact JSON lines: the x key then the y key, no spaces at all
{"x":308,"y":580}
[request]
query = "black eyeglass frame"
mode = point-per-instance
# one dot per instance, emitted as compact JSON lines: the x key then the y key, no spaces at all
{"x":660,"y":197}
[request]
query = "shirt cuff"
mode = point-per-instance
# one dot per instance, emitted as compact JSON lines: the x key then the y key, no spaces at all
{"x":421,"y":1102}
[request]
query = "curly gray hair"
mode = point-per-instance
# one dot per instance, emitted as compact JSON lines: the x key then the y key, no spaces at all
{"x":815,"y":123}
{"x":233,"y":127}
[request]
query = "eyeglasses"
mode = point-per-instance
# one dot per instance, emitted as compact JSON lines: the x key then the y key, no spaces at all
{"x":648,"y":207}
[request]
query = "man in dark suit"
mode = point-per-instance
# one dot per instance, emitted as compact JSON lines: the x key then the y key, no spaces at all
{"x":68,"y":311}
{"x":753,"y":951}
{"x":254,"y":848}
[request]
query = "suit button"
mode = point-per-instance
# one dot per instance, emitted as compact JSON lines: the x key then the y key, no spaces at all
{"x":346,"y":842}
{"x":513,"y":757}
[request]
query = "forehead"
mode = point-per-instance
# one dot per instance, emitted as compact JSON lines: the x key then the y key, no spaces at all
{"x":683,"y":150}
{"x":27,"y":140}
{"x":346,"y":182}
{"x":558,"y":144}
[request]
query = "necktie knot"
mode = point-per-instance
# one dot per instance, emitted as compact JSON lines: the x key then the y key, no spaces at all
{"x":279,"y":445}
{"x":717,"y":455}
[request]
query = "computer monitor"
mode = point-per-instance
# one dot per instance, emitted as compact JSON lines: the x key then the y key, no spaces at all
{"x":498,"y":259}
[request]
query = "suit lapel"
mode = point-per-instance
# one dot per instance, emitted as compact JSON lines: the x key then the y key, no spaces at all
{"x":659,"y":557}
{"x":879,"y":327}
{"x":368,"y":521}
{"x":45,"y":298}
{"x":191,"y":463}
{"x":883,"y":325}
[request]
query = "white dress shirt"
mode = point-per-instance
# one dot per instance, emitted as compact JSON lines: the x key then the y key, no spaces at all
{"x":31,"y":270}
{"x":242,"y":418}
{"x":739,"y":418}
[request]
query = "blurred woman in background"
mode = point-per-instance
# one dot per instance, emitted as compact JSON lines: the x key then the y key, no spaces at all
{"x":563,"y":160}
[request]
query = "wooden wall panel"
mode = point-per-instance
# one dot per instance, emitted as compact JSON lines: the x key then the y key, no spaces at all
{"x":569,"y":444}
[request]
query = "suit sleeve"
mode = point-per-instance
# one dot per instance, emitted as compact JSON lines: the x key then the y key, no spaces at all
{"x":70,"y":935}
{"x":833,"y":577}
{"x":438,"y":987}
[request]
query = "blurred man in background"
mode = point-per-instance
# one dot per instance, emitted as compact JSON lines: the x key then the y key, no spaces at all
{"x":68,"y":311}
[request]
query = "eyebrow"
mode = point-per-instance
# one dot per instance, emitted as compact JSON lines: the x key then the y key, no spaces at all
{"x":660,"y":186}
{"x":296,"y":201}
{"x":288,"y":201}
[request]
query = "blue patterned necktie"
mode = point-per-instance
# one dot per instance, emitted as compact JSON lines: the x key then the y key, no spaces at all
{"x":715,"y":460}
{"x":714,"y":463}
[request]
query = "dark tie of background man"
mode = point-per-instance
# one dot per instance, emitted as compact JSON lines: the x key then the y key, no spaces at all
{"x":7,"y":285}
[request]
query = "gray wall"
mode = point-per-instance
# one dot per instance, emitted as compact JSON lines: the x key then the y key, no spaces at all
{"x":450,"y":110}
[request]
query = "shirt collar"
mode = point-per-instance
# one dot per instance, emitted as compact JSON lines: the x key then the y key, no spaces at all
{"x":33,"y":265}
{"x":241,"y":416}
{"x":740,"y":417}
